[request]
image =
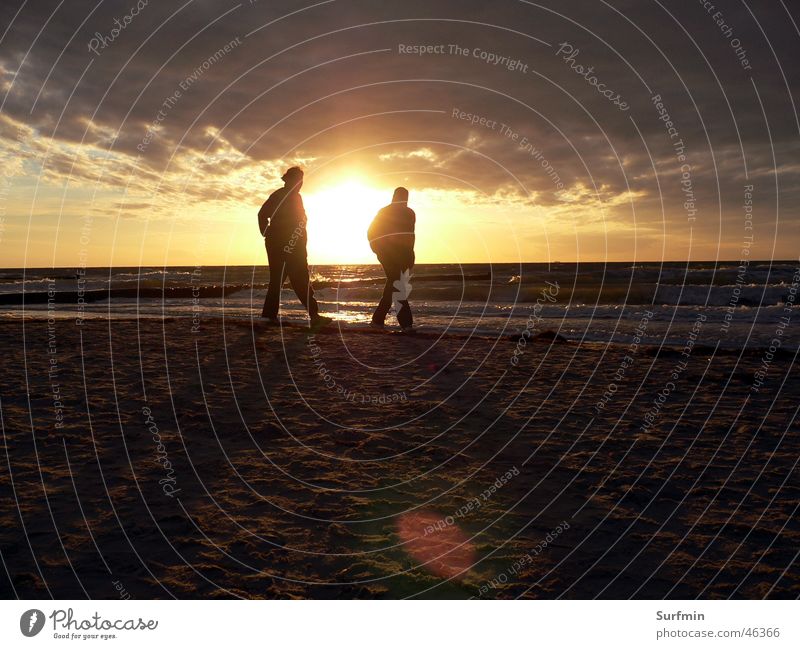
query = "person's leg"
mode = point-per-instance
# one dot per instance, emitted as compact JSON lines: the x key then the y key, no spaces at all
{"x":301,"y":283}
{"x":404,"y":316}
{"x":379,"y":317}
{"x":272,"y":302}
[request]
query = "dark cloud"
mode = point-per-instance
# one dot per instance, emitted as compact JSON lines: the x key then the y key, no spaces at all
{"x":315,"y":85}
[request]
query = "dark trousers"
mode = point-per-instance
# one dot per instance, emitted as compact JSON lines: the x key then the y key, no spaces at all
{"x":294,"y":266}
{"x":393,"y":270}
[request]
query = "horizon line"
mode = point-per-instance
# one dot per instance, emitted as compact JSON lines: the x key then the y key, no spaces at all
{"x":427,"y":263}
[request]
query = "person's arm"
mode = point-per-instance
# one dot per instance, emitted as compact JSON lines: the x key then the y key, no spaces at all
{"x":374,"y":233}
{"x":266,"y":213}
{"x":407,"y":239}
{"x":301,"y":215}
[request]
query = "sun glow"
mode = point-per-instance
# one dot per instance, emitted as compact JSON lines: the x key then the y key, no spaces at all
{"x":338,"y":218}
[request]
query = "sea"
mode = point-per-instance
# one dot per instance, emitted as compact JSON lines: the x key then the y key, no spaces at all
{"x":722,"y":305}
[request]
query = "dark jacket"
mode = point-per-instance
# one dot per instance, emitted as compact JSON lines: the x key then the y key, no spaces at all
{"x":282,"y":219}
{"x":391,"y":234}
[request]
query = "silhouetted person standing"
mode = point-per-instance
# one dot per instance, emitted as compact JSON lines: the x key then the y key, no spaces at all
{"x":282,"y":221}
{"x":391,"y":237}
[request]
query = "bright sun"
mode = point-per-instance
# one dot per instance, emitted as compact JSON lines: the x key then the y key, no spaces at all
{"x":338,"y":218}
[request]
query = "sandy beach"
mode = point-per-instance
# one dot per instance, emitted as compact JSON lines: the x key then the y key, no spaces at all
{"x":157,"y":459}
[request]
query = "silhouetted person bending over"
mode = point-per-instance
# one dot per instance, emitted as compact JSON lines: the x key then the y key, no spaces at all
{"x":282,"y":221}
{"x":391,"y":237}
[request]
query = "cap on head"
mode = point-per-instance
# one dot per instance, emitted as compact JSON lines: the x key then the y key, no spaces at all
{"x":400,"y":195}
{"x":292,"y":175}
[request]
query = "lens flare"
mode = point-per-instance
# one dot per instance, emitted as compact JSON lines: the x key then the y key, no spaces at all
{"x":436,"y":543}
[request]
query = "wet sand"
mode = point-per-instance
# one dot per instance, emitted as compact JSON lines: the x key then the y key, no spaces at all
{"x":157,"y":459}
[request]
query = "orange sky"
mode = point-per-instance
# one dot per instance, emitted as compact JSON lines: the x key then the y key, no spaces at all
{"x":160,"y":148}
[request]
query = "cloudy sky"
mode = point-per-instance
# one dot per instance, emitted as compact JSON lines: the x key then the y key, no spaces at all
{"x":150,"y":133}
